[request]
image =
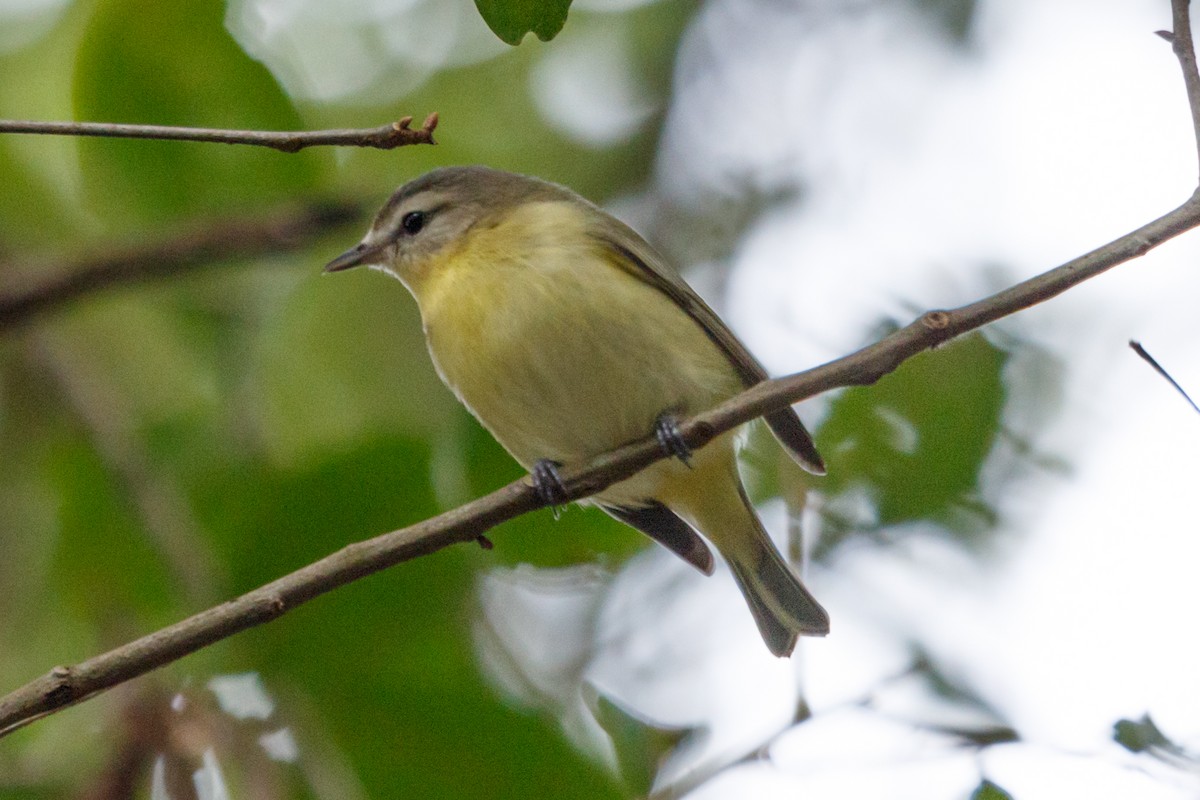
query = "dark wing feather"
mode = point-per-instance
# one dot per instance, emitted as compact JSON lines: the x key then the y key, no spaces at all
{"x":650,"y":267}
{"x":665,"y":527}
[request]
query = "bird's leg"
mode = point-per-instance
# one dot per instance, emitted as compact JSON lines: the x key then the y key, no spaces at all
{"x":666,"y":430}
{"x":549,"y":485}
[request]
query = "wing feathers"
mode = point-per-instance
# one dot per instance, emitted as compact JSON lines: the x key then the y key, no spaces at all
{"x":647,"y":265}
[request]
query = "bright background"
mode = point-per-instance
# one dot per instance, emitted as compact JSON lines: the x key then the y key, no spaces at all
{"x":1006,"y":541}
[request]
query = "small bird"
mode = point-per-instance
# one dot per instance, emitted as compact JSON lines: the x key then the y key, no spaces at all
{"x":566,"y":335}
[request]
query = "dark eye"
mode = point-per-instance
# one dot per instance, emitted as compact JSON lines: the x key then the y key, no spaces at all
{"x":412,"y":222}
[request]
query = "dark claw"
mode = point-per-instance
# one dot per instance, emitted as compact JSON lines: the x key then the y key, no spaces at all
{"x":666,"y":430}
{"x":548,"y":484}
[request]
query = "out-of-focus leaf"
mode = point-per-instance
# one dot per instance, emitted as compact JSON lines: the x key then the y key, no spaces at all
{"x":175,"y":64}
{"x":150,"y":358}
{"x":933,"y":698}
{"x":27,"y":214}
{"x":640,"y":745}
{"x":484,"y":91}
{"x":341,"y":358}
{"x":104,"y":563}
{"x":36,"y":171}
{"x":29,"y":793}
{"x":512,"y":19}
{"x":1139,"y":736}
{"x":989,"y":791}
{"x":1144,"y":736}
{"x":416,"y":719}
{"x":955,"y":17}
{"x":913,"y":444}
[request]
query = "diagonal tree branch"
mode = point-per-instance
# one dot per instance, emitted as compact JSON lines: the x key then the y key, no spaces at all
{"x":385,"y":137}
{"x":289,"y":228}
{"x":65,"y":686}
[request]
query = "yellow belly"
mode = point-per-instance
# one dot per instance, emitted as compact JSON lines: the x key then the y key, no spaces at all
{"x":562,"y":355}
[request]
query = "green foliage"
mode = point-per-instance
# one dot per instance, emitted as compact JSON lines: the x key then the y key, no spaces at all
{"x":104,"y":565}
{"x":28,"y":793}
{"x":512,"y":19}
{"x":404,"y":634}
{"x":990,"y":791}
{"x":20,"y":219}
{"x":954,"y":16}
{"x":1139,"y":736}
{"x":640,"y":745}
{"x":1144,"y":736}
{"x":914,"y":443}
{"x":175,"y":64}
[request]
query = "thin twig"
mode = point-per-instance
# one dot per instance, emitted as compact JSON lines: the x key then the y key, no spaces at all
{"x":65,"y":686}
{"x":385,"y":137}
{"x":285,"y":229}
{"x":1149,"y":359}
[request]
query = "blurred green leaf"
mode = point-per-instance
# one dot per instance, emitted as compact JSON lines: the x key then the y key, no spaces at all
{"x":486,"y":91}
{"x":990,"y":791}
{"x":1139,"y":736}
{"x":955,"y":706}
{"x":104,"y":562}
{"x":270,"y":519}
{"x":914,"y":443}
{"x":417,"y":719}
{"x":27,"y":214}
{"x":955,"y":17}
{"x":512,"y":19}
{"x":640,"y":745}
{"x":341,"y":359}
{"x":37,"y":171}
{"x":30,"y":793}
{"x":175,"y":64}
{"x":1144,"y":736}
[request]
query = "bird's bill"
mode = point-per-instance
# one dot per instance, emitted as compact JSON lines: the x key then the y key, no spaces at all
{"x":355,"y":257}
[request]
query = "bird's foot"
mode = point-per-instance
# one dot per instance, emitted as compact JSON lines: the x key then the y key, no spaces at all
{"x":549,"y":484}
{"x":666,"y":430}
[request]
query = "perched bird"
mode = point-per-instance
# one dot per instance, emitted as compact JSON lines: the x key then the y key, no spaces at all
{"x":567,"y":335}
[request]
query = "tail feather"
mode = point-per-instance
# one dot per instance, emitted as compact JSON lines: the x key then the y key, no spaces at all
{"x":782,"y":607}
{"x":711,"y":498}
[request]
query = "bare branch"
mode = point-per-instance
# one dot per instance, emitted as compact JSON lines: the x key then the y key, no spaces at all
{"x":285,"y":229}
{"x":65,"y":686}
{"x":1181,"y":42}
{"x":385,"y":137}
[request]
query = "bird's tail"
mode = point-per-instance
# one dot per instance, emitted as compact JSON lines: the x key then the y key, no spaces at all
{"x":782,"y":607}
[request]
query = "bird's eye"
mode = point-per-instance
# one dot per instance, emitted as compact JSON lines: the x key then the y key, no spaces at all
{"x":412,"y":222}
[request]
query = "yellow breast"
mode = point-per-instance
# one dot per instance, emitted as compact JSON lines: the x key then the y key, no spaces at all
{"x":560,"y":353}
